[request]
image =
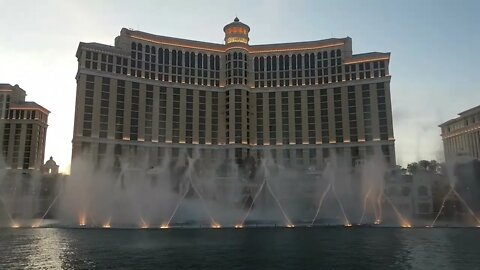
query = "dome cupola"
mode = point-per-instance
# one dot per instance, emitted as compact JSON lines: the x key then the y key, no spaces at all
{"x":236,"y":32}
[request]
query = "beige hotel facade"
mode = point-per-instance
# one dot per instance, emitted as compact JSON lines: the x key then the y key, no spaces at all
{"x":461,"y":135}
{"x":23,"y":130}
{"x":152,"y":96}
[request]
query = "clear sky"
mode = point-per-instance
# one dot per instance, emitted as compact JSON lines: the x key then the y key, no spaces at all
{"x":434,"y":45}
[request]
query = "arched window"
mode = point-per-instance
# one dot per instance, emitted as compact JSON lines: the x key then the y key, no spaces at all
{"x":180,"y":58}
{"x":235,"y":56}
{"x":274,"y":62}
{"x":299,"y":61}
{"x":339,"y":53}
{"x":154,"y":50}
{"x":287,"y":62}
{"x":134,"y":46}
{"x":312,"y":60}
{"x":217,"y":62}
{"x":174,"y":57}
{"x":199,"y":60}
{"x":294,"y":61}
{"x":422,"y":191}
{"x":187,"y":59}
{"x":269,"y":63}
{"x":332,"y":53}
{"x":280,"y":62}
{"x":255,"y":63}
{"x":307,"y":63}
{"x":166,"y":59}
{"x":212,"y":62}
{"x":205,"y":60}
{"x":139,"y":47}
{"x":325,"y":54}
{"x":319,"y":56}
{"x":229,"y":57}
{"x":160,"y":55}
{"x":262,"y":63}
{"x":192,"y":59}
{"x":147,"y":48}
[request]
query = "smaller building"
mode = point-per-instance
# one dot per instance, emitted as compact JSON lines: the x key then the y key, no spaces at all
{"x":50,"y":167}
{"x":461,"y":135}
{"x":23,"y":129}
{"x":30,"y":194}
{"x":412,"y":194}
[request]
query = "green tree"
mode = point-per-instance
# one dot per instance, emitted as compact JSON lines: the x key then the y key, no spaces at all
{"x":431,"y":166}
{"x":412,"y":168}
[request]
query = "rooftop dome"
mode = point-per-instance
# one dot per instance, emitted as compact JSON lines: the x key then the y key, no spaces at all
{"x":236,"y":32}
{"x":51,"y":162}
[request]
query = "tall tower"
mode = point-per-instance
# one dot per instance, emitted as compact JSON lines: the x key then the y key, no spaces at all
{"x":236,"y":32}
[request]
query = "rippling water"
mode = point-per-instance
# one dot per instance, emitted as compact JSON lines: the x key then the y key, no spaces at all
{"x":265,"y":248}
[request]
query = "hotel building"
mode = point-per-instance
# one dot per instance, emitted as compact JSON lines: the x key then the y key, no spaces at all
{"x":151,"y":95}
{"x":461,"y":135}
{"x":23,"y":129}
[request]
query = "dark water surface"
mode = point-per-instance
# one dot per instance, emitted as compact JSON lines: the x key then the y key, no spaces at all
{"x":265,"y":248}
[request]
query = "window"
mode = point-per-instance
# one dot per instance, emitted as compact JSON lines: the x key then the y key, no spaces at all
{"x":422,"y":191}
{"x":311,"y":117}
{"x":134,"y":109}
{"x":104,"y":100}
{"x":337,"y":98}
{"x":352,"y":113}
{"x":88,"y":106}
{"x":285,"y":118}
{"x":119,"y":114}
{"x":260,"y":133}
{"x":367,"y":112}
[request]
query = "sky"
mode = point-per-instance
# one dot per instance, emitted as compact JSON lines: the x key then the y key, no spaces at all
{"x":433,"y":43}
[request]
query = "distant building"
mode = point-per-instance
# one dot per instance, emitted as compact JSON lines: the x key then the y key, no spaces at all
{"x":461,"y":135}
{"x":412,"y":194}
{"x":50,"y":167}
{"x":23,"y":129}
{"x":304,"y":102}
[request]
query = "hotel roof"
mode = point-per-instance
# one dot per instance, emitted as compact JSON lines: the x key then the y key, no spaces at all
{"x":28,"y":105}
{"x":468,"y":112}
{"x":305,"y":45}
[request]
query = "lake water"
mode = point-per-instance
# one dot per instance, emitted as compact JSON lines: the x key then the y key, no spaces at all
{"x":260,"y":248}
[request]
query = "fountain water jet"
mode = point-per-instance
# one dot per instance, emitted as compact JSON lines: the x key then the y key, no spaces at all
{"x":467,"y":206}
{"x":9,"y":216}
{"x":191,"y":186}
{"x":329,"y":174}
{"x":39,"y":223}
{"x":240,"y":225}
{"x":143,"y":224}
{"x":322,"y":198}
{"x":441,"y":206}
{"x":265,"y":183}
{"x":347,"y":222}
{"x":365,"y":205}
{"x":452,"y":190}
{"x":403,"y":222}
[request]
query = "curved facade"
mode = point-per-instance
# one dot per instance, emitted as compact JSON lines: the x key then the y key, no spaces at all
{"x":302,"y":101}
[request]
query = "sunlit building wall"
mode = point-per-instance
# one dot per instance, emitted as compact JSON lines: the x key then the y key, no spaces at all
{"x":151,"y":95}
{"x":23,"y":129}
{"x":461,"y":135}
